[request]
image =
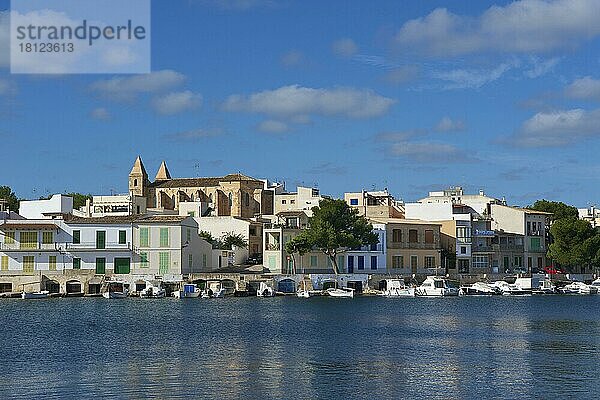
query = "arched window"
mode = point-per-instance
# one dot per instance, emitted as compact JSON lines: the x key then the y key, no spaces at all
{"x":230,"y":199}
{"x":210,"y":198}
{"x":247,"y":199}
{"x":135,"y":182}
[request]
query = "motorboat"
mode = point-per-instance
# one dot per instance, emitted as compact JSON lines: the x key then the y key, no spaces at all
{"x":437,"y":286}
{"x":478,"y":289}
{"x":265,"y":290}
{"x":546,"y":287}
{"x":397,"y":288}
{"x":511,"y":289}
{"x":596,"y":283}
{"x":188,"y":291}
{"x":578,"y":288}
{"x":115,"y":290}
{"x":152,"y":292}
{"x":342,"y":293}
{"x":220,"y":293}
{"x":44,"y":294}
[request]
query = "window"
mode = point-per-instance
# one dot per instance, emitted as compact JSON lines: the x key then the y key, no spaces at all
{"x":143,"y":260}
{"x":518,"y":261}
{"x":353,"y":202}
{"x":247,"y":199}
{"x":283,"y":201}
{"x":340,"y":261}
{"x":100,"y":266}
{"x":463,"y":250}
{"x":76,"y":237}
{"x":164,"y":237}
{"x":463,"y":234}
{"x":135,"y":182}
{"x":9,"y":238}
{"x":230,"y":199}
{"x":29,"y":240}
{"x":397,"y":262}
{"x":28,"y":264}
{"x":122,"y":237}
{"x":313,"y":261}
{"x":361,"y":262}
{"x":122,"y":265}
{"x":373,"y":262}
{"x":397,"y":235}
{"x":77,"y":263}
{"x":429,"y":261}
{"x":4,"y":263}
{"x":413,"y":236}
{"x":536,"y":244}
{"x":204,"y":260}
{"x":414,"y":262}
{"x":480,"y":262}
{"x":505,"y":263}
{"x":429,"y":236}
{"x":47,"y":237}
{"x":292,"y":201}
{"x":191,"y":214}
{"x":52,"y":263}
{"x":540,"y":263}
{"x":144,"y":237}
{"x":163,"y":262}
{"x":190,"y":261}
{"x":188,"y":236}
{"x":100,"y":239}
{"x":529,"y":263}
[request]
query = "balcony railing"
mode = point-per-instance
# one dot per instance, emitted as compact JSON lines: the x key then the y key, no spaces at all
{"x":30,"y":246}
{"x":92,"y":246}
{"x":405,"y":245}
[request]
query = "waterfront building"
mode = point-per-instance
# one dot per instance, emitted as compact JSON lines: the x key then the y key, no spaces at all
{"x":113,"y":205}
{"x":375,"y":204}
{"x":235,"y":195}
{"x":590,"y":214}
{"x":303,"y":199}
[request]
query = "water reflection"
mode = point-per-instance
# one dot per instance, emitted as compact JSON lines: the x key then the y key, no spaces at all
{"x":295,"y":348}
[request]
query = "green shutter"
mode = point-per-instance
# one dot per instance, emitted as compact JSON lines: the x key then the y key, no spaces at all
{"x":163,"y":262}
{"x":122,"y":237}
{"x":143,"y":260}
{"x":100,"y":266}
{"x":77,"y":263}
{"x":164,"y":237}
{"x":144,"y":237}
{"x":52,"y":263}
{"x":122,"y":265}
{"x":100,"y":239}
{"x":76,"y":237}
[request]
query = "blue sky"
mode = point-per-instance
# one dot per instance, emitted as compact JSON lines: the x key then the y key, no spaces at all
{"x":412,"y":96}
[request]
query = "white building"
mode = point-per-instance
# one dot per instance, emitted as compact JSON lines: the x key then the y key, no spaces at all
{"x":304,"y":199}
{"x":38,"y":209}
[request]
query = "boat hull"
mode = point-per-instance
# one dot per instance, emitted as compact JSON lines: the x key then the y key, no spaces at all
{"x":35,"y":295}
{"x":114,"y":295}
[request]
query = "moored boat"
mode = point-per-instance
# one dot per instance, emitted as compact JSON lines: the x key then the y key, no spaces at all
{"x":188,"y":291}
{"x":512,"y":289}
{"x":265,"y":290}
{"x":44,"y":294}
{"x":397,"y":288}
{"x":437,"y":286}
{"x":478,"y":289}
{"x":341,"y":293}
{"x":578,"y":288}
{"x":115,"y":290}
{"x":152,"y":292}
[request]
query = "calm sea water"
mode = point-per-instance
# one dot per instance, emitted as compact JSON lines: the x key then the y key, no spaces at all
{"x":533,"y":347}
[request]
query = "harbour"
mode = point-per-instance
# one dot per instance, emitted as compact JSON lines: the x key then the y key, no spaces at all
{"x":286,"y":347}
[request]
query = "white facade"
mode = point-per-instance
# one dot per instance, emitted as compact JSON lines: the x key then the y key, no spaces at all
{"x":304,"y":199}
{"x":369,"y":259}
{"x":35,"y":209}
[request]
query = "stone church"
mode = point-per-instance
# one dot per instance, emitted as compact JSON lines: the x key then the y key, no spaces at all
{"x":235,"y":195}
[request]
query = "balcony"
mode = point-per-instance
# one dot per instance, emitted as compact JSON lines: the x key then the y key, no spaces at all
{"x":115,"y":246}
{"x":483,"y":249}
{"x":405,"y":245}
{"x":30,"y":246}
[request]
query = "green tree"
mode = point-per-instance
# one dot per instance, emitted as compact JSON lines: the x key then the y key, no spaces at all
{"x":209,"y":238}
{"x":576,"y":243}
{"x":79,"y":199}
{"x":558,"y":209}
{"x":231,"y":239}
{"x":335,"y":228}
{"x":7,"y":194}
{"x":297,"y":245}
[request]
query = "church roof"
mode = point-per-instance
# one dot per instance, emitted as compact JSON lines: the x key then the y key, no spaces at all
{"x":201,"y":182}
{"x":138,"y":167}
{"x":163,"y":172}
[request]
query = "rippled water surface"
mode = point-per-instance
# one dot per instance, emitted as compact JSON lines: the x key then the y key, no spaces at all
{"x":533,"y":347}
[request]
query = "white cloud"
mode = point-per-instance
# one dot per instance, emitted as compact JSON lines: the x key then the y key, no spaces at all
{"x":557,"y":128}
{"x":586,"y":88}
{"x":192,"y":135}
{"x":293,"y":101}
{"x":177,"y":102}
{"x":447,"y":124}
{"x":472,"y":78}
{"x":539,"y":67}
{"x":403,"y":74}
{"x":128,"y":88}
{"x":292,"y":58}
{"x":4,"y":38}
{"x":272,"y":126}
{"x":526,"y":26}
{"x":344,"y":47}
{"x":101,"y":114}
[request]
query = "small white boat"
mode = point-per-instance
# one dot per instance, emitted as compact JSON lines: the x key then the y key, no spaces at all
{"x":220,"y":293}
{"x":578,"y":288}
{"x":188,"y":291}
{"x":265,"y":290}
{"x":437,"y":286}
{"x":596,"y":283}
{"x":397,"y":288}
{"x":152,"y":292}
{"x":44,"y":294}
{"x":305,"y":294}
{"x":478,"y":289}
{"x":511,"y":289}
{"x":342,"y":293}
{"x":115,"y":290}
{"x":546,"y":287}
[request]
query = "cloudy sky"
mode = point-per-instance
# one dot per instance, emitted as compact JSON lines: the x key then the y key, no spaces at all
{"x":412,"y":96}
